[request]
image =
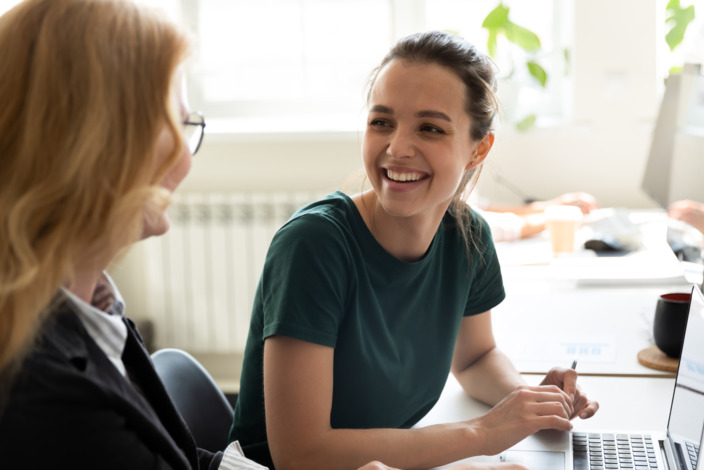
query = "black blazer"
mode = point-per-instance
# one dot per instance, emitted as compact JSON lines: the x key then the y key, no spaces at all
{"x":69,"y":407}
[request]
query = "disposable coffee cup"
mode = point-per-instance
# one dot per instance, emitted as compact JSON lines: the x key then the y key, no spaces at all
{"x":562,"y":223}
{"x":670,"y":322}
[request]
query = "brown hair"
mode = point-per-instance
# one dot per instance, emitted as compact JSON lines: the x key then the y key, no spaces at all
{"x":478,"y":73}
{"x":86,"y":89}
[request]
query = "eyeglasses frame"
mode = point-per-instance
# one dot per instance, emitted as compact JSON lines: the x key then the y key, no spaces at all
{"x":201,"y":123}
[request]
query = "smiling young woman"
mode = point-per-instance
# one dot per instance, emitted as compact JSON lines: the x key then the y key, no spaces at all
{"x":367,"y":302}
{"x":417,"y":150}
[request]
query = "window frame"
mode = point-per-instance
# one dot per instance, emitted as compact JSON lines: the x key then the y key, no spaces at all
{"x":408,"y":16}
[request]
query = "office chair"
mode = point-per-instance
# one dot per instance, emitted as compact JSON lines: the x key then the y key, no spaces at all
{"x":196,"y":396}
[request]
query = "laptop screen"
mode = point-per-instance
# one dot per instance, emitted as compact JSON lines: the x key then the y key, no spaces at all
{"x":687,"y":411}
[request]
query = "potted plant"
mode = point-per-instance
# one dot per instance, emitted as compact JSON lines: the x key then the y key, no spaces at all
{"x":499,"y":25}
{"x":677,"y":19}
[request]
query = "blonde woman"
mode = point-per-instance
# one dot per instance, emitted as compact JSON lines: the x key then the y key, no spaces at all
{"x":94,"y":138}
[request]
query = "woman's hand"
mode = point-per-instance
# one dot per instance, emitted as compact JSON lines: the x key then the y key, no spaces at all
{"x":526,"y":410}
{"x":487,"y":466}
{"x":376,"y":466}
{"x":566,"y":380}
{"x":691,"y":212}
{"x":460,"y":466}
{"x":585,"y":201}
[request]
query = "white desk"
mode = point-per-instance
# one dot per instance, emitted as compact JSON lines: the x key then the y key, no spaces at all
{"x":598,"y":310}
{"x":625,"y":404}
{"x":604,"y":328}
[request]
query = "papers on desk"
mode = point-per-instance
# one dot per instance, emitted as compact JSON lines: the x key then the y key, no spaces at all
{"x":599,"y":349}
{"x":652,"y":267}
{"x":638,"y":268}
{"x":653,"y":263}
{"x":613,"y":226}
{"x":533,"y":251}
{"x":598,"y":310}
{"x":604,"y":328}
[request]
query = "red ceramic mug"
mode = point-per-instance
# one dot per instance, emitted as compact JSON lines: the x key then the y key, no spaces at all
{"x":670,"y":322}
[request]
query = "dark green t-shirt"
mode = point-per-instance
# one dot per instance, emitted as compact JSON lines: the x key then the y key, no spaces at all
{"x":393,"y":324}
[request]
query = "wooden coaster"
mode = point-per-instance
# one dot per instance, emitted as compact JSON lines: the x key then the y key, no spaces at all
{"x":653,"y":358}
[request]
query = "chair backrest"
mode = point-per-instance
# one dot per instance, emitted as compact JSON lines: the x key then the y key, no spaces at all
{"x":197,"y":397}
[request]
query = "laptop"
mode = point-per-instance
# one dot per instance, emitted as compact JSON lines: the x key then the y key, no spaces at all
{"x":675,"y":449}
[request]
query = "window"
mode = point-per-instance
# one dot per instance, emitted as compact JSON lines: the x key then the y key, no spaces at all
{"x":519,"y":92}
{"x":302,"y":64}
{"x":286,"y":59}
{"x":7,"y":4}
{"x":257,"y":63}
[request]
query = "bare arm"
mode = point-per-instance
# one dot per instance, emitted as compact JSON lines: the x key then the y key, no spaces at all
{"x":586,"y":202}
{"x":298,"y":378}
{"x":531,"y":215}
{"x":533,"y":225}
{"x":461,"y":466}
{"x":691,"y":212}
{"x":486,"y":374}
{"x":298,"y":381}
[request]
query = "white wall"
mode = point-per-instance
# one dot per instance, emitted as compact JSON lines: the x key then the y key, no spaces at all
{"x":275,"y":162}
{"x":601,"y":151}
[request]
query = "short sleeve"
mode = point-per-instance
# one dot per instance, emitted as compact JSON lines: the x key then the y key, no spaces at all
{"x":305,"y":281}
{"x":487,"y":286}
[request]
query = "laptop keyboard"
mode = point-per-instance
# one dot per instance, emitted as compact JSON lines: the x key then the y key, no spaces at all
{"x":613,"y":451}
{"x":693,"y":452}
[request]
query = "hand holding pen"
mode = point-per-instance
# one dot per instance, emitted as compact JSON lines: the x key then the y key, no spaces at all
{"x":566,"y":379}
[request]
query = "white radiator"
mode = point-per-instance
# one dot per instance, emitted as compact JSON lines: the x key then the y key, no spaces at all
{"x":203,"y":273}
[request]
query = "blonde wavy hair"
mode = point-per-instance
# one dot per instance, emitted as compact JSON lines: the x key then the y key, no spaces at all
{"x":85,"y":91}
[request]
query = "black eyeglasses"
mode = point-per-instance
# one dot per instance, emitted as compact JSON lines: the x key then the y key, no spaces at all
{"x":194,"y":128}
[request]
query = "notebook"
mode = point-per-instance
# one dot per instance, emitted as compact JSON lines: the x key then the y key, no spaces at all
{"x":676,"y":448}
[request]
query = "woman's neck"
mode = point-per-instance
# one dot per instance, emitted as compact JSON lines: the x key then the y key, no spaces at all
{"x":83,"y":283}
{"x":406,"y":238}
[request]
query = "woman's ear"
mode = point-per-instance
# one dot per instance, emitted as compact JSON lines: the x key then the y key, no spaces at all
{"x":482,"y":151}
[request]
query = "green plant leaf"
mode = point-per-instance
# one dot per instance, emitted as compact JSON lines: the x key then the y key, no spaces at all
{"x":526,"y":123}
{"x":676,"y":70}
{"x":496,"y":17}
{"x":522,"y":37}
{"x":493,"y":23}
{"x":491,"y":43}
{"x":537,"y":72}
{"x":678,"y":19}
